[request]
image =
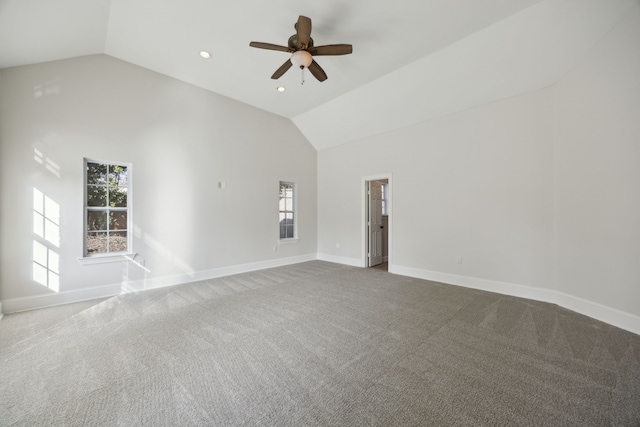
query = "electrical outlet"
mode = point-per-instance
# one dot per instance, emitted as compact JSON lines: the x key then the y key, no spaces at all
{"x":459,"y":260}
{"x":275,"y":248}
{"x":338,"y":245}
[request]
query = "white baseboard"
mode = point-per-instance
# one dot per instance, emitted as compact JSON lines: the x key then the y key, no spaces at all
{"x":48,"y":300}
{"x":612,"y":316}
{"x":161,"y":282}
{"x":354,"y":262}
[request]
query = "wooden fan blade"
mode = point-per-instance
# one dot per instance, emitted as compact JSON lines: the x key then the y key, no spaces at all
{"x":332,"y":49}
{"x":270,"y":46}
{"x":283,"y":69}
{"x":303,"y":28}
{"x":317,"y":71}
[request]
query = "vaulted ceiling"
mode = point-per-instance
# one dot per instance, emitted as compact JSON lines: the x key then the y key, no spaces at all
{"x":412,"y":60}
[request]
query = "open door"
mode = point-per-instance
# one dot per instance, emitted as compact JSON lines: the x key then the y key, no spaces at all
{"x":374,"y":222}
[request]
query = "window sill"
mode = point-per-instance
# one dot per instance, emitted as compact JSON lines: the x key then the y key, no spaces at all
{"x":106,"y":259}
{"x":288,"y":241}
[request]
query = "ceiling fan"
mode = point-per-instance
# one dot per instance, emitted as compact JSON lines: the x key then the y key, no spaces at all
{"x":301,"y":47}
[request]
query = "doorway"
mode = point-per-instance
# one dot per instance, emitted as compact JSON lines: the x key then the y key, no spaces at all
{"x":377,"y":222}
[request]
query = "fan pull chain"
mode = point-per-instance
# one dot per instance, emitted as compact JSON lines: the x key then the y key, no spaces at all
{"x":302,"y":75}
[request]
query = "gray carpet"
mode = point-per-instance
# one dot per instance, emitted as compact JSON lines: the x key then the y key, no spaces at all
{"x":316,"y":344}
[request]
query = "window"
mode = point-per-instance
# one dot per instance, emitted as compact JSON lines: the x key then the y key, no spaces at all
{"x":287,"y":210}
{"x":385,"y":198}
{"x":107,"y":208}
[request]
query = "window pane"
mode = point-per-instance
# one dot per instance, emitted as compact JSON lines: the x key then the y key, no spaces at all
{"x":118,"y":220}
{"x":96,"y":196}
{"x":118,"y":241}
{"x":289,"y":204}
{"x":286,"y":231}
{"x":96,"y":243}
{"x":117,"y":197}
{"x":286,"y":188}
{"x":285,"y":222}
{"x":96,"y":173}
{"x":96,"y":220}
{"x":286,"y":225}
{"x":118,"y":175}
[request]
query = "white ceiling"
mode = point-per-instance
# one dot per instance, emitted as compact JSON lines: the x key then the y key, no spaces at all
{"x":412,"y":59}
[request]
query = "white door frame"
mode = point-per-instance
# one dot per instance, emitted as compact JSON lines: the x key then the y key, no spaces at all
{"x":364,"y":185}
{"x":374,"y":214}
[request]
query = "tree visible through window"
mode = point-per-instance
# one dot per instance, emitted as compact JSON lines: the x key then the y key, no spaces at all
{"x":287,"y":210}
{"x":106,"y":208}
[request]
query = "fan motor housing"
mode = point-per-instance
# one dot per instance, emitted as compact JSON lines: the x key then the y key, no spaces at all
{"x":293,"y":42}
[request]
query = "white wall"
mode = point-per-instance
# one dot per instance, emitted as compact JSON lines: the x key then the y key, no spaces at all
{"x":538,"y":194}
{"x":597,"y":126}
{"x":181,"y":141}
{"x":476,"y":185}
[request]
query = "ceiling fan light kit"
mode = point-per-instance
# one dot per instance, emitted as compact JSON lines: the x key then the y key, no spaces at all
{"x":300,"y":45}
{"x":301,"y":59}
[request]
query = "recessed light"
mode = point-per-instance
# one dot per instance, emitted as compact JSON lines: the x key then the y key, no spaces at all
{"x":205,"y":54}
{"x":281,"y":89}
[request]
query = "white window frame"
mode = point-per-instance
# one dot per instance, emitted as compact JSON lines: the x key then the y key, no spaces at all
{"x":293,"y":211}
{"x":106,"y":257}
